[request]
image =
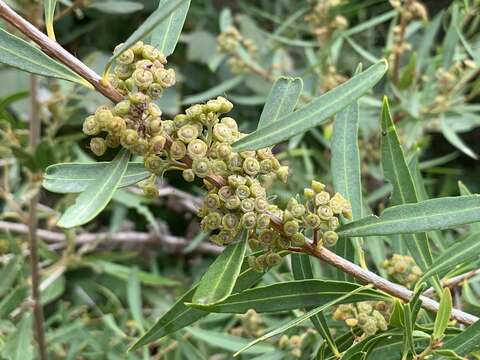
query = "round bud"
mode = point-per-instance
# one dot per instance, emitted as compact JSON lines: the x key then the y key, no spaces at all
{"x":126,"y":57}
{"x":116,"y":125}
{"x":224,"y":150}
{"x":282,"y":173}
{"x":298,"y":211}
{"x":226,"y":106}
{"x":230,"y":221}
{"x":138,"y":98}
{"x":333,"y":223}
{"x":157,"y":143}
{"x":122,"y":108}
{"x":150,"y":191}
{"x":103,"y":116}
{"x":212,"y":201}
{"x":267,"y":237}
{"x":197,"y":149}
{"x":257,"y":190}
{"x":247,"y":154}
{"x":308,"y":193}
{"x":144,"y":64}
{"x":261,"y":204}
{"x":187,"y":133}
{"x":178,"y":150}
{"x":251,"y":166}
{"x":236,"y":180}
{"x":322,"y":198}
{"x":235,"y":162}
{"x":226,"y":236}
{"x":263,"y":221}
{"x":90,"y":126}
{"x":154,"y":126}
{"x":123,"y":72}
{"x":351,"y":322}
{"x":249,"y":220}
{"x":243,"y":191}
{"x":201,"y":167}
{"x":212,"y":221}
{"x":154,"y":110}
{"x":324,"y":212}
{"x":330,"y":238}
{"x":222,"y":133}
{"x":168,"y":127}
{"x":254,"y":245}
{"x":233,"y":202}
{"x":230,"y":122}
{"x":219,"y":167}
{"x":98,"y":146}
{"x":188,"y":175}
{"x":143,"y":78}
{"x":290,"y":227}
{"x":317,"y":186}
{"x":155,"y":164}
{"x":194,"y":112}
{"x":151,"y":53}
{"x":155,"y":91}
{"x":112,"y":141}
{"x":181,"y":120}
{"x":140,"y":147}
{"x":247,"y":205}
{"x":137,"y":48}
{"x":312,"y":221}
{"x":273,"y":259}
{"x":225,"y":192}
{"x":266,"y":166}
{"x":264,"y":154}
{"x":370,"y":327}
{"x":298,"y":239}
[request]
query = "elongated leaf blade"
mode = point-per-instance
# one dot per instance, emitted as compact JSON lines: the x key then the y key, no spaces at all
{"x":460,"y":252}
{"x":316,"y":112}
{"x":443,"y":314}
{"x":433,"y":214}
{"x":154,"y":20}
{"x":465,"y":342}
{"x":68,"y":178}
{"x":456,"y":141}
{"x":97,"y":195}
{"x":218,"y":282}
{"x":49,"y":9}
{"x":214,"y":91}
{"x":166,"y":35}
{"x":397,"y":172}
{"x":26,"y":57}
{"x":285,"y":296}
{"x":281,"y":100}
{"x":117,"y":7}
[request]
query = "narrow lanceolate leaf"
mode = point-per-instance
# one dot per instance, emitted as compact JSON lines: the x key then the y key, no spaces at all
{"x":460,"y":252}
{"x":345,"y":166}
{"x":117,"y":7}
{"x":397,"y":172}
{"x":456,"y":141}
{"x":302,"y":270}
{"x":316,"y":112}
{"x":154,"y":20}
{"x":49,"y":9}
{"x":465,"y":342}
{"x":434,"y":214}
{"x":214,"y":91}
{"x":285,"y":296}
{"x":281,"y":101}
{"x":302,"y":318}
{"x":218,"y":282}
{"x":166,"y":35}
{"x":443,"y":315}
{"x":76,"y":177}
{"x":180,"y":315}
{"x":24,"y":56}
{"x":97,"y":195}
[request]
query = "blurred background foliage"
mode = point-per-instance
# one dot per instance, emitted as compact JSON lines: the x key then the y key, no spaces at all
{"x":103,"y":285}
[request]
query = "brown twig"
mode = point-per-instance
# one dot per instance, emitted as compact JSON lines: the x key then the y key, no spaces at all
{"x":454,"y":281}
{"x":323,"y":254}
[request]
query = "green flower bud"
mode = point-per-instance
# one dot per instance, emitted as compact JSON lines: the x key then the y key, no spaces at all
{"x":291,"y":227}
{"x":251,"y":166}
{"x":138,"y":98}
{"x":247,"y":205}
{"x":123,"y":72}
{"x":155,"y":164}
{"x":178,"y":151}
{"x":266,"y":166}
{"x":98,"y":146}
{"x":225,"y":192}
{"x":226,"y":106}
{"x":333,"y":223}
{"x":337,"y":203}
{"x":236,"y":180}
{"x":261,"y":204}
{"x":157,"y":144}
{"x":264,"y":154}
{"x":317,"y":186}
{"x":129,"y":84}
{"x":233,"y":202}
{"x":298,"y":239}
{"x":247,"y":154}
{"x":224,"y":150}
{"x":330,"y":238}
{"x":370,"y":328}
{"x":351,"y":322}
{"x":112,"y":141}
{"x":243,"y":191}
{"x":235,"y":162}
{"x":181,"y":120}
{"x":90,"y":126}
{"x":168,"y":127}
{"x":188,"y":175}
{"x":254,"y":245}
{"x":273,"y":259}
{"x":322,"y":198}
{"x":249,"y":220}
{"x":155,"y":91}
{"x":143,"y":78}
{"x":308,"y":193}
{"x":298,"y":211}
{"x":257,"y":190}
{"x":116,"y":125}
{"x":197,"y":149}
{"x":194,"y":112}
{"x":267,"y":237}
{"x":312,"y":221}
{"x":288,"y":216}
{"x":201,"y":167}
{"x":222,"y":133}
{"x":150,"y":191}
{"x":154,"y":110}
{"x":226,"y":236}
{"x":166,"y":78}
{"x":122,"y":108}
{"x":282,"y":173}
{"x":154,"y":126}
{"x":103,"y":116}
{"x":187,"y":133}
{"x":126,"y":58}
{"x":230,"y":221}
{"x":324,"y":212}
{"x":212,"y":221}
{"x":213,"y":106}
{"x":144,"y":64}
{"x":219,"y":167}
{"x":263,"y":221}
{"x":151,"y":53}
{"x":212,"y":201}
{"x":230,"y":122}
{"x":140,"y":147}
{"x":251,"y":259}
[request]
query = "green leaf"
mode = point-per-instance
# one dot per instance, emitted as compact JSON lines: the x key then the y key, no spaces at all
{"x":180,"y":315}
{"x":117,"y":7}
{"x":397,"y":172}
{"x":302,"y":269}
{"x":218,"y":282}
{"x":465,"y":191}
{"x":214,"y":91}
{"x":443,"y":315}
{"x":49,"y":9}
{"x":316,"y":112}
{"x":301,"y":319}
{"x":8,"y":274}
{"x":345,"y":168}
{"x":134,"y":297}
{"x":434,"y":214}
{"x":154,"y":20}
{"x":285,"y":296}
{"x":226,"y":19}
{"x":456,"y":141}
{"x":465,"y":342}
{"x":24,"y":56}
{"x":282,"y":100}
{"x":12,"y":300}
{"x":166,"y":35}
{"x":97,"y":195}
{"x":408,"y":73}
{"x":460,"y":252}
{"x":68,"y":178}
{"x":18,"y":346}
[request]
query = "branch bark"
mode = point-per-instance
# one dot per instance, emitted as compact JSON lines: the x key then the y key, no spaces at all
{"x":55,"y":50}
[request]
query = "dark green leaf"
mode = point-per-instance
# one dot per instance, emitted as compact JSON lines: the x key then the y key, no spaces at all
{"x":465,"y":342}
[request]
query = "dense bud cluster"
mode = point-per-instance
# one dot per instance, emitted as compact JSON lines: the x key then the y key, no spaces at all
{"x":402,"y":269}
{"x":251,"y":325}
{"x":229,"y":42}
{"x":323,"y":20}
{"x":369,"y":316}
{"x":297,"y":343}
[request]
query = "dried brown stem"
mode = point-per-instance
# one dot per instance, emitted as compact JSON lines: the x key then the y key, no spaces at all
{"x":323,"y":254}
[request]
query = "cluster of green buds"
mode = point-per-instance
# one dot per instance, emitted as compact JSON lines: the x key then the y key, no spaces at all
{"x":230,"y":42}
{"x":402,"y":269}
{"x":251,"y":325}
{"x":367,"y":315}
{"x":323,"y":20}
{"x":296,"y":343}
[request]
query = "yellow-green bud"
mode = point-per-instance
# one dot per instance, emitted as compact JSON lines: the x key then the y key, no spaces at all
{"x":116,"y":125}
{"x":112,"y":141}
{"x":197,"y":149}
{"x":212,"y":201}
{"x":247,"y":205}
{"x":230,"y":221}
{"x":330,"y":238}
{"x":322,"y":198}
{"x":273,"y":259}
{"x":308,"y":193}
{"x":157,"y":143}
{"x":140,"y":147}
{"x":212,"y":221}
{"x":224,"y":150}
{"x":126,"y":57}
{"x":155,"y":164}
{"x":225,"y":192}
{"x":317,"y":186}
{"x":251,"y":166}
{"x":324,"y":212}
{"x":187,"y":133}
{"x":178,"y":150}
{"x":103,"y":116}
{"x":98,"y":146}
{"x":263,"y":221}
{"x":249,"y":220}
{"x":201,"y":167}
{"x":188,"y":175}
{"x":233,"y":202}
{"x":150,"y":191}
{"x":282,"y":173}
{"x":122,"y":108}
{"x":90,"y":126}
{"x":291,"y":227}
{"x":312,"y":221}
{"x":298,"y":239}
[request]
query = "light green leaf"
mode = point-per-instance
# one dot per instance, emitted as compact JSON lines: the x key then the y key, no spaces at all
{"x":397,"y":172}
{"x":284,"y":296}
{"x":68,"y":178}
{"x":154,"y":20}
{"x":218,"y":282}
{"x":8,"y":274}
{"x":456,"y":141}
{"x":316,"y":112}
{"x":434,"y":214}
{"x":18,"y":346}
{"x":282,"y":100}
{"x":443,"y":315}
{"x":134,"y":297}
{"x":97,"y":195}
{"x":226,"y":19}
{"x":214,"y":91}
{"x":24,"y":56}
{"x":459,"y":253}
{"x":465,"y":342}
{"x":166,"y":35}
{"x":475,"y":227}
{"x":49,"y":9}
{"x":117,"y":7}
{"x":301,"y":319}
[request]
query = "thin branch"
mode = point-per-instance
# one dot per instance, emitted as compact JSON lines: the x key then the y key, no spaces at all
{"x":454,"y":281}
{"x":324,"y":254}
